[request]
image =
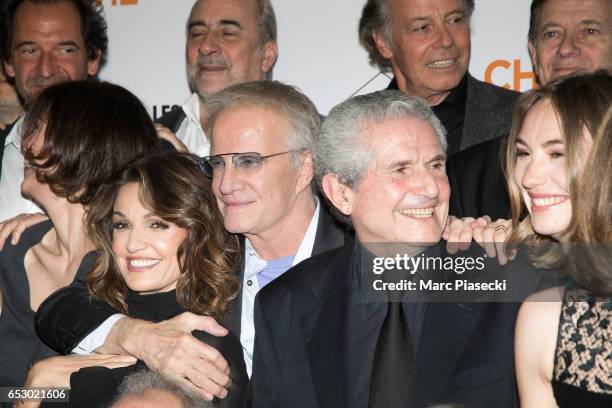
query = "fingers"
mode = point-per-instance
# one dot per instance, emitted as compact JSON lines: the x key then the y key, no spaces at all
{"x":493,"y":238}
{"x":188,"y":322}
{"x":113,"y":361}
{"x":174,"y":353}
{"x":17,"y":225}
{"x":459,"y":234}
{"x":25,"y":222}
{"x":166,"y":134}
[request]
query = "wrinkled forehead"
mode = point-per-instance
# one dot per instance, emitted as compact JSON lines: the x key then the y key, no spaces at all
{"x":562,"y":11}
{"x":402,"y":139}
{"x":246,"y":127}
{"x":59,"y":18}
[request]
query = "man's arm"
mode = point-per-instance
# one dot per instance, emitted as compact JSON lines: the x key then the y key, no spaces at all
{"x":69,"y":315}
{"x":66,"y":317}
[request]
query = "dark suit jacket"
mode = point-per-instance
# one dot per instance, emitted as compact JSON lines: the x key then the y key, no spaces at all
{"x":477,"y":182}
{"x":475,"y":172}
{"x":69,"y":314}
{"x":465,"y":353}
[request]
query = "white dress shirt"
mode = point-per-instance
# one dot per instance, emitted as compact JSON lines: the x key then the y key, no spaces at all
{"x":190,"y":131}
{"x":12,"y":202}
{"x":253,"y":264}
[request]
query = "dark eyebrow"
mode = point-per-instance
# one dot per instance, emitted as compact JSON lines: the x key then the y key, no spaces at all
{"x":550,"y":25}
{"x":550,"y":142}
{"x":196,"y":24}
{"x":119,"y":213}
{"x":224,"y":22}
{"x":24,"y":43}
{"x":70,"y":42}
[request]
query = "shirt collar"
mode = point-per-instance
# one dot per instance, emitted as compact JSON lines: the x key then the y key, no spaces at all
{"x":305,"y":249}
{"x":191,"y":107}
{"x":457,"y":97}
{"x":14,"y":136}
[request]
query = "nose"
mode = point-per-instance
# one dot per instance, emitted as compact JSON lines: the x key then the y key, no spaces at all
{"x":136,"y":241}
{"x":534,"y":175}
{"x":445,"y":39}
{"x":210,"y":44}
{"x":47,"y":65}
{"x":424,"y":184}
{"x":228,"y":180}
{"x":568,"y":46}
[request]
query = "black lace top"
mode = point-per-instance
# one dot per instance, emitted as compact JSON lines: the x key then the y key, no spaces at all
{"x":582,"y":374}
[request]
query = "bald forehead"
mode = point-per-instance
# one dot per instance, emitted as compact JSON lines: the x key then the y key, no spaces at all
{"x":215,"y":11}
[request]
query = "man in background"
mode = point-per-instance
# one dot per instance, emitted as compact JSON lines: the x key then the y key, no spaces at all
{"x":228,"y":42}
{"x":426,"y":44}
{"x":569,"y":36}
{"x":43,"y":43}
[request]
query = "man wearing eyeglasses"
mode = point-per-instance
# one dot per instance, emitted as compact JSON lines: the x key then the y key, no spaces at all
{"x":261,"y":165}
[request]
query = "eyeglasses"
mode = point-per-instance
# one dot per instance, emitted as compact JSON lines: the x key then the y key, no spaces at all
{"x":244,"y":163}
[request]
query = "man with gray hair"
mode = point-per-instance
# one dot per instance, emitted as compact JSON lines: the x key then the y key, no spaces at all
{"x":326,"y":334}
{"x":426,"y":45}
{"x":148,"y":389}
{"x":228,"y":42}
{"x":262,"y":136}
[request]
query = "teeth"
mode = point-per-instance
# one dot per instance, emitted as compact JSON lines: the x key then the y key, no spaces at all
{"x":542,"y":202}
{"x":142,"y":263}
{"x":418,"y":212}
{"x":442,"y":63}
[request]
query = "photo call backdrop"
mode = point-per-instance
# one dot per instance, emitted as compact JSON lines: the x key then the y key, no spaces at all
{"x":319,"y":51}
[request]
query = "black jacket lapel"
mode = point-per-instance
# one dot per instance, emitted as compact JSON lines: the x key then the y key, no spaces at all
{"x":325,"y":332}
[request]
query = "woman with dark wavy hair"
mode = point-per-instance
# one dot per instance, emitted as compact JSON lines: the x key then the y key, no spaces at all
{"x":161,"y":250}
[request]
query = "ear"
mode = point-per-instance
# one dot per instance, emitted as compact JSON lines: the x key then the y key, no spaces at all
{"x":8,"y":68}
{"x":306,"y":172}
{"x":340,"y":195}
{"x":269,"y":53}
{"x":382,"y":45}
{"x":93,"y":65}
{"x":533,"y":53}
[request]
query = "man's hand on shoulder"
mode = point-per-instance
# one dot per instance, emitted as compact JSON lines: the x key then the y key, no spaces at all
{"x":169,"y":349}
{"x":17,"y":225}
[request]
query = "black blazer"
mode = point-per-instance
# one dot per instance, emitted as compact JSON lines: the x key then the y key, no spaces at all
{"x":477,"y":182}
{"x":465,"y":353}
{"x":69,"y":315}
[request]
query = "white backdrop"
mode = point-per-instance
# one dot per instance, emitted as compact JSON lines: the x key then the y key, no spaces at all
{"x":318,"y":48}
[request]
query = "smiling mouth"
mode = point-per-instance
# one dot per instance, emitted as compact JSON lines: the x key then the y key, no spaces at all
{"x":548,"y":201}
{"x":445,"y":63}
{"x":142,"y":262}
{"x":418,"y":212}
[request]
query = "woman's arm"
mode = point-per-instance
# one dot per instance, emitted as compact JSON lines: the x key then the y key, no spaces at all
{"x":535,"y":343}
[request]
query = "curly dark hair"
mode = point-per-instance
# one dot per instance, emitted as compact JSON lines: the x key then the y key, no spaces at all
{"x":90,"y":130}
{"x":171,"y":186}
{"x":93,"y":26}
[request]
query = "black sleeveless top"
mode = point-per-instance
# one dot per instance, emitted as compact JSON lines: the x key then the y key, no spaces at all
{"x":582,"y":374}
